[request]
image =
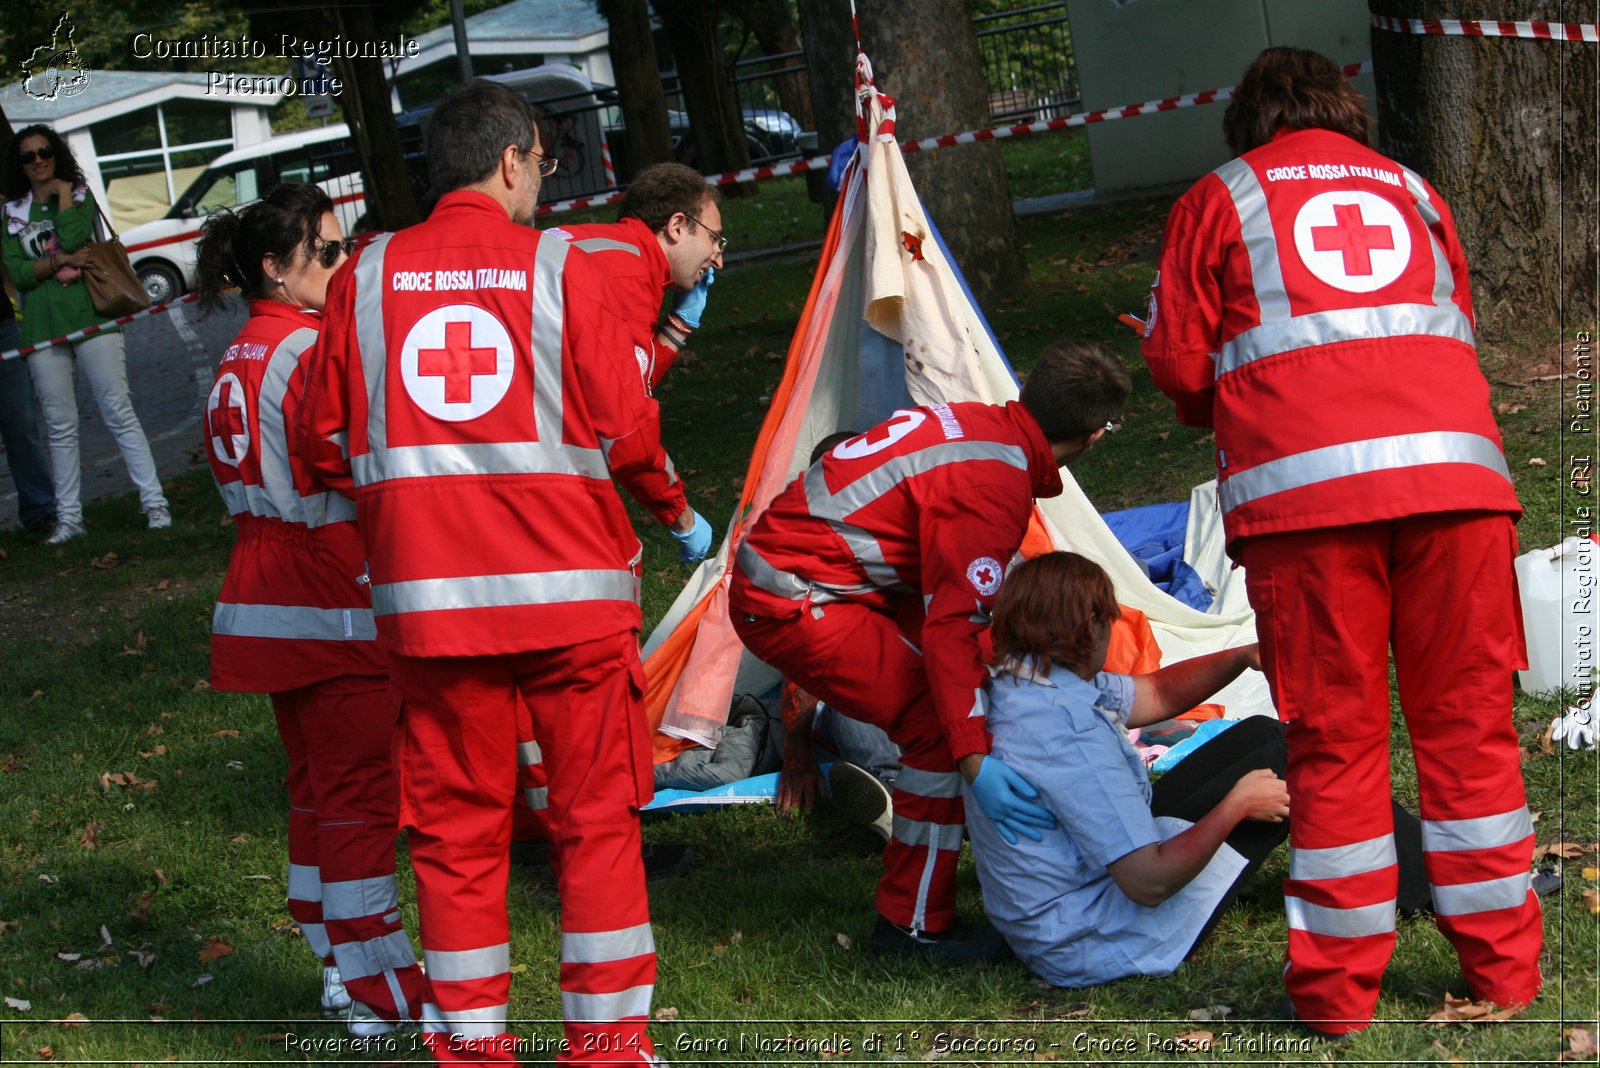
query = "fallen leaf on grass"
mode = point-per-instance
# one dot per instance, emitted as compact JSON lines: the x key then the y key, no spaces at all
{"x":1591,"y":873}
{"x":104,"y":563}
{"x":32,"y":697}
{"x":126,"y":779}
{"x":667,"y":1012}
{"x":1581,"y":1045}
{"x":161,"y":876}
{"x":203,"y":980}
{"x":140,"y":646}
{"x":141,"y":910}
{"x":45,"y":1053}
{"x":215,"y":949}
{"x":91,"y":836}
{"x":1591,"y":897}
{"x":49,"y":880}
{"x":69,"y":957}
{"x":517,"y":969}
{"x":1194,"y":1040}
{"x":200,"y":686}
{"x":1443,"y":1051}
{"x":158,"y":751}
{"x":1537,"y":461}
{"x":105,"y":938}
{"x":12,"y":764}
{"x":1457,"y":1010}
{"x":1210,"y":1013}
{"x":235,"y":765}
{"x":144,"y":958}
{"x":19,"y":1004}
{"x":225,"y":734}
{"x":155,"y":729}
{"x":76,"y":1019}
{"x":1076,"y":1011}
{"x":1564,"y":850}
{"x":843,"y":939}
{"x":240,"y":839}
{"x":8,"y":925}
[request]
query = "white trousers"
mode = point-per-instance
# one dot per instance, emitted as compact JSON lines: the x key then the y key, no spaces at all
{"x":104,"y":365}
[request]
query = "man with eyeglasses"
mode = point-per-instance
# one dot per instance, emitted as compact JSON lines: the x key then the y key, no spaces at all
{"x":475,"y":392}
{"x":868,"y":582}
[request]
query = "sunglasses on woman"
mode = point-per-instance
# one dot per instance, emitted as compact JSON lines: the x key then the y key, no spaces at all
{"x":328,"y":252}
{"x":37,"y":153}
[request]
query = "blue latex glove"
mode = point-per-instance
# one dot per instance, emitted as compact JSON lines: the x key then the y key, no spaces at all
{"x":693,"y":546}
{"x":691,"y":304}
{"x":1005,"y":798}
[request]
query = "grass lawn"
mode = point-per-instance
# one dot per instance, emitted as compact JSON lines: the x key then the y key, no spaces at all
{"x":142,"y":817}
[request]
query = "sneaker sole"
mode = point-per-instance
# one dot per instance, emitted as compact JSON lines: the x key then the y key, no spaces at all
{"x":861,"y":798}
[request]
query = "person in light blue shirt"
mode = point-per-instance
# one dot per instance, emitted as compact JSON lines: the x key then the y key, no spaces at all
{"x":1114,"y":889}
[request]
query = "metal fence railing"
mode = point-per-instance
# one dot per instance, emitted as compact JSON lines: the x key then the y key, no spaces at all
{"x":1028,"y":62}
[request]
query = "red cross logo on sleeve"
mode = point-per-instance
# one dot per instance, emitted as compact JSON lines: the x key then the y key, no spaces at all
{"x":226,"y":420}
{"x":457,"y":363}
{"x":1351,"y":237}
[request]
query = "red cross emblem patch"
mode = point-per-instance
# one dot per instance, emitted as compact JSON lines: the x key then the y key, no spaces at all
{"x":1354,"y":241}
{"x":457,"y":362}
{"x":985,"y":573}
{"x":228,"y":420}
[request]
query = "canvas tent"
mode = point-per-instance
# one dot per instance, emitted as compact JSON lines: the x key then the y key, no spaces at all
{"x":888,"y":324}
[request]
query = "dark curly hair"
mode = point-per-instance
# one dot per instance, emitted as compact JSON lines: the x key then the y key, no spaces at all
{"x":658,"y":193}
{"x":233,"y":243}
{"x":67,"y":169}
{"x":1075,"y":389}
{"x":1296,"y":89}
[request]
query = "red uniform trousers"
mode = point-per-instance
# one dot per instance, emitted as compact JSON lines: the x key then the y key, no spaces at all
{"x":459,"y":774}
{"x":1330,"y":604}
{"x":860,"y":662}
{"x":343,"y":817}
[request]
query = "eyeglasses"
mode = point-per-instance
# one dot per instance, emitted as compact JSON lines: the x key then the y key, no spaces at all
{"x":716,"y":235}
{"x":547,"y":164}
{"x":32,"y":154}
{"x":328,"y":252}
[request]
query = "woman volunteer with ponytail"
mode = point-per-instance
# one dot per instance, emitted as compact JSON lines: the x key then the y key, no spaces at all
{"x":294,"y":619}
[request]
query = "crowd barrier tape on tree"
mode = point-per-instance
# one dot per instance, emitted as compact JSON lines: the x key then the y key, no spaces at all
{"x":797,"y":166}
{"x":98,"y":328}
{"x":1536,"y":31}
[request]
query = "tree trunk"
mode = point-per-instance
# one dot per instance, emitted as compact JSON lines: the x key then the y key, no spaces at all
{"x":714,"y":117}
{"x":365,"y":99}
{"x":644,"y":105}
{"x":830,"y":49}
{"x":771,"y":23}
{"x":1504,"y":128}
{"x":932,"y":68}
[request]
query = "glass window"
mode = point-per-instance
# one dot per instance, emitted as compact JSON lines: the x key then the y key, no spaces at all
{"x":134,"y":132}
{"x":193,"y":121}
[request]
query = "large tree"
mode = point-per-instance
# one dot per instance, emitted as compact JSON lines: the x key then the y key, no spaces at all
{"x":1505,"y":129}
{"x":714,"y":117}
{"x":932,"y":68}
{"x":771,"y":23}
{"x":644,"y":105}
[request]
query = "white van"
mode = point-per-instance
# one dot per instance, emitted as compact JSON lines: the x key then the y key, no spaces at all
{"x":162,"y":251}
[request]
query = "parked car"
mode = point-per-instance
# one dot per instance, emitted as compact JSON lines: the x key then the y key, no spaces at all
{"x":162,"y":251}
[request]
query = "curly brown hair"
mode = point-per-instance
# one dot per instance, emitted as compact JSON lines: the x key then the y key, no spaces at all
{"x":16,"y":183}
{"x":1297,"y":89}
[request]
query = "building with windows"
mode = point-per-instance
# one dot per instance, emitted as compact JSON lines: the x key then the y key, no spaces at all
{"x":142,"y":136}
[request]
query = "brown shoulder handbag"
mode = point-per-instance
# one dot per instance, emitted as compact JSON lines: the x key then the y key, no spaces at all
{"x":114,"y":288}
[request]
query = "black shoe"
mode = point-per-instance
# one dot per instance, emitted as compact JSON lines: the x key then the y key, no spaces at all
{"x":963,"y":943}
{"x":1335,"y":1038}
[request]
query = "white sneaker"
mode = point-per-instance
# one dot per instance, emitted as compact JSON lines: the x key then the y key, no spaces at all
{"x":160,"y":517}
{"x":335,"y":998}
{"x":364,"y":1023}
{"x":861,"y":797}
{"x":65,"y":531}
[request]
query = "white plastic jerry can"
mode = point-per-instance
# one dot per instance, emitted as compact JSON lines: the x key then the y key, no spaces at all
{"x":1558,"y":588}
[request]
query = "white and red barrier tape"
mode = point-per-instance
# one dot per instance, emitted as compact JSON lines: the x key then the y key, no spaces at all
{"x":798,"y":166}
{"x":1531,"y":30}
{"x":98,"y":328}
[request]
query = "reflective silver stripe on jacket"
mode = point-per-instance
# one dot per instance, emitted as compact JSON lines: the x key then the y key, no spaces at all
{"x":1335,"y":862}
{"x":785,"y":584}
{"x":486,"y":1022}
{"x":1359,"y":458}
{"x":351,"y":899}
{"x":488,"y":458}
{"x":1255,"y":226}
{"x":1462,"y":899}
{"x":601,"y":947}
{"x":462,"y":965}
{"x":1484,"y":832}
{"x":305,"y":882}
{"x":1340,"y":923}
{"x":501,"y":591}
{"x":605,"y":244}
{"x":1343,"y":324}
{"x":370,"y":337}
{"x":631,"y":1003}
{"x":276,"y":477}
{"x":529,"y":754}
{"x":296,"y":622}
{"x":926,"y":833}
{"x":375,"y":956}
{"x":538,"y":797}
{"x":549,"y":311}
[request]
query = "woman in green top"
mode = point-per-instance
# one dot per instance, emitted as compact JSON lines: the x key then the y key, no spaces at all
{"x":48,"y":218}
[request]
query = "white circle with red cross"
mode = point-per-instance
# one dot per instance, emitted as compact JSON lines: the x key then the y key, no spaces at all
{"x":457,"y":362}
{"x":228,"y":420}
{"x":985,"y":573}
{"x":881,"y":436}
{"x":1354,"y":241}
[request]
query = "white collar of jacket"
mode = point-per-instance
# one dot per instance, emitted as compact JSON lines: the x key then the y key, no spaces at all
{"x":17,"y":211}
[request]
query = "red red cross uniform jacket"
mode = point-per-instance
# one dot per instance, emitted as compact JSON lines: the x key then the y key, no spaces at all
{"x":917,"y":519}
{"x":481,"y":464}
{"x":1313,"y":306}
{"x":295,"y":608}
{"x":631,"y":258}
